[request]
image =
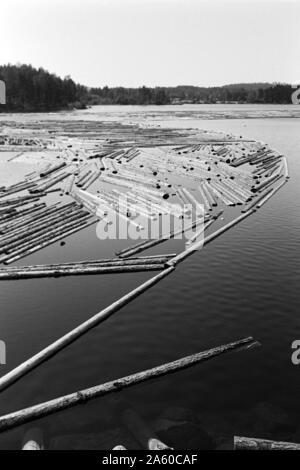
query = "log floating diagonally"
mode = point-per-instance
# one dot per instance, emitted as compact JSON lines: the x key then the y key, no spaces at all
{"x":26,"y":415}
{"x":72,"y":335}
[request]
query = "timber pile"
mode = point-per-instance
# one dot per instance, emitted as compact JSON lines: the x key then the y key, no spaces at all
{"x":26,"y":231}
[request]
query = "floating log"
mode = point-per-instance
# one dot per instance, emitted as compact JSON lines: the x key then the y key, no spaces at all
{"x":83,"y":177}
{"x":17,"y":189}
{"x":26,"y":415}
{"x":49,"y":184}
{"x":81,"y":270}
{"x":212,"y":200}
{"x":91,"y":180}
{"x":270,"y":194}
{"x":9,"y":202}
{"x":192,"y":199}
{"x":266,"y":182}
{"x":252,"y":443}
{"x":68,"y":338}
{"x":200,"y":232}
{"x":227,"y":193}
{"x":264,"y":197}
{"x":52,"y":169}
{"x":151,"y":259}
{"x":204,"y":198}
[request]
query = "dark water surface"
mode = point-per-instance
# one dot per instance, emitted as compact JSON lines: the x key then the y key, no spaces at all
{"x":245,"y":283}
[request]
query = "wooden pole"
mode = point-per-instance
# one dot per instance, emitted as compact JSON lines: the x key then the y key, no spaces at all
{"x":74,"y":334}
{"x":20,"y":417}
{"x":252,"y":443}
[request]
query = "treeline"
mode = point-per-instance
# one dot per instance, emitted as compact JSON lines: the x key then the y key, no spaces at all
{"x":243,"y":93}
{"x":138,"y":96}
{"x":29,"y":89}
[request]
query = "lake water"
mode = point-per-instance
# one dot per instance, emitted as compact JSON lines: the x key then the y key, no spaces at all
{"x":245,"y":283}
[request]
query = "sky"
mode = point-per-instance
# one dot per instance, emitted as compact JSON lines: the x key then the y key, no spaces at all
{"x":155,"y":42}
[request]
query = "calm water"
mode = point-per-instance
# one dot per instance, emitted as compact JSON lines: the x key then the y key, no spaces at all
{"x":244,"y":283}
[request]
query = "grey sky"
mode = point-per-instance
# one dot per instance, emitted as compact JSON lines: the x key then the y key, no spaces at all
{"x":154,"y":42}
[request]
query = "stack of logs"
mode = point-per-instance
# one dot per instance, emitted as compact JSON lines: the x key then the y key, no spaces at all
{"x":26,"y":231}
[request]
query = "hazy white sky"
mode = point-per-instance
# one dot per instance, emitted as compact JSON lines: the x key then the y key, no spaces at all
{"x":155,"y":42}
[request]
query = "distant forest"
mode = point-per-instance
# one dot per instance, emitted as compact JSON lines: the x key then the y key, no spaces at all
{"x":29,"y":89}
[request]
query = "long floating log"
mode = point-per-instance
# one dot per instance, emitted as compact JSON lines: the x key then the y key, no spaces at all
{"x":270,"y":194}
{"x":52,"y":169}
{"x":264,"y":196}
{"x":81,"y":270}
{"x":74,"y":334}
{"x":153,"y":259}
{"x":266,"y":182}
{"x":252,"y":443}
{"x":49,"y":184}
{"x":26,"y":415}
{"x":17,"y":189}
{"x":18,"y":200}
